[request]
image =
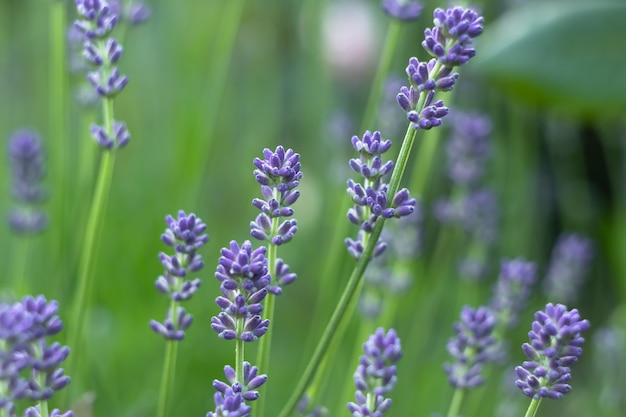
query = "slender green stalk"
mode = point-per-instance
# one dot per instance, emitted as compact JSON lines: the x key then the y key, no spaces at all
{"x":532,"y":408}
{"x":169,"y":368}
{"x":335,"y":253}
{"x":455,"y":404}
{"x":57,"y":106}
{"x":93,"y":230}
{"x":43,"y":409}
{"x":351,"y":286}
{"x":265,"y":343}
{"x":239,"y":352}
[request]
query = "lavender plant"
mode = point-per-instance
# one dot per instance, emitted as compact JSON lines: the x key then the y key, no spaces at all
{"x":471,"y":348}
{"x":244,"y":281}
{"x":279,"y":175}
{"x":450,"y":44}
{"x":97,"y":21}
{"x":26,"y":218}
{"x":185,"y":235}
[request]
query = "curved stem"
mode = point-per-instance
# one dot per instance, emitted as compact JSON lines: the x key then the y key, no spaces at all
{"x":335,"y":252}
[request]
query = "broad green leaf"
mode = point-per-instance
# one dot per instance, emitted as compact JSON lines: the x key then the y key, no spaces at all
{"x":565,"y":55}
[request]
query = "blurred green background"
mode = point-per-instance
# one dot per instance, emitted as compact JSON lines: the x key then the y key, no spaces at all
{"x":551,"y":75}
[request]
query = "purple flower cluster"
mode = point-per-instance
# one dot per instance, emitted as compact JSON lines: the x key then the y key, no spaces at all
{"x":571,"y":259}
{"x":229,"y":404}
{"x":103,"y":52}
{"x":30,"y":364}
{"x":370,"y":198}
{"x":278,"y":174}
{"x":26,"y":159}
{"x":185,"y":235}
{"x":471,"y":348}
{"x":450,"y":45}
{"x":555,"y":345}
{"x":375,"y":376}
{"x":244,"y":281}
{"x":403,"y":10}
{"x":246,"y":388}
{"x":512,"y":290}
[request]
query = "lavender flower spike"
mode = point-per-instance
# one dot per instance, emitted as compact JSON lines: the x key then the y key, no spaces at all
{"x":97,"y":20}
{"x":185,"y":235}
{"x":278,"y":174}
{"x":471,"y":347}
{"x":450,"y":45}
{"x":243,"y":274}
{"x":555,"y":344}
{"x":375,"y":376}
{"x":28,"y":170}
{"x":511,"y":292}
{"x":370,"y":198}
{"x":571,"y":259}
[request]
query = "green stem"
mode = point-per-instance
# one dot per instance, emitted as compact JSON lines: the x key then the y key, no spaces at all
{"x":169,"y":368}
{"x":263,"y":354}
{"x":43,"y":409}
{"x":532,"y":408}
{"x":455,"y":404}
{"x":57,"y":101}
{"x":239,"y":352}
{"x":93,"y":230}
{"x":355,"y":279}
{"x":335,"y":252}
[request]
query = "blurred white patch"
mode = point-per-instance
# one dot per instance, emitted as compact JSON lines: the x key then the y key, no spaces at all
{"x":350,"y":38}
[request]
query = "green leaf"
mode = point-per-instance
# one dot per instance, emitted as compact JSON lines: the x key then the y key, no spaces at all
{"x":565,"y":55}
